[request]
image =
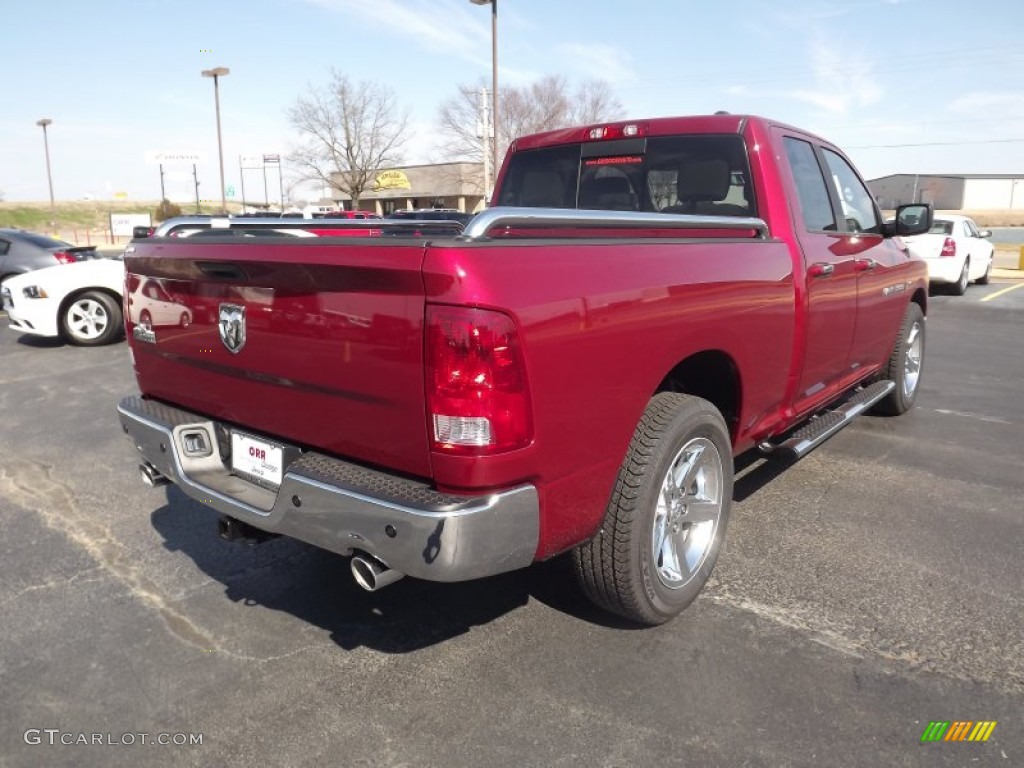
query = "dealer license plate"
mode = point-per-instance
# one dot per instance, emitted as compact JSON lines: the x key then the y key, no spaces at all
{"x":257,"y":459}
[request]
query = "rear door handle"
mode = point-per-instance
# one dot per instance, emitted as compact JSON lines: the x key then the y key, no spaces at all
{"x":821,"y":269}
{"x":863,"y":265}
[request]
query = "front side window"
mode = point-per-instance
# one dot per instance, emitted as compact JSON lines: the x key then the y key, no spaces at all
{"x":859,"y":211}
{"x":810,"y":186}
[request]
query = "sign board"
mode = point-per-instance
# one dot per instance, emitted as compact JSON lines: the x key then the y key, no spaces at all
{"x":250,"y":161}
{"x":391,"y":180}
{"x":271,"y":159}
{"x":121,"y":224}
{"x":175,"y":158}
{"x":229,"y":190}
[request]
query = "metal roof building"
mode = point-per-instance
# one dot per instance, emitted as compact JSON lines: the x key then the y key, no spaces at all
{"x":951,"y":192}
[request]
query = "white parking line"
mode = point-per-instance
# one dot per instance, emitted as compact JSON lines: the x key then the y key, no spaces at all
{"x":1002,"y":291}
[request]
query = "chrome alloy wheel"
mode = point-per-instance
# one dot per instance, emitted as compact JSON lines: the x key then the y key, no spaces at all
{"x":688,"y":511}
{"x":912,"y":360}
{"x":87,"y":319}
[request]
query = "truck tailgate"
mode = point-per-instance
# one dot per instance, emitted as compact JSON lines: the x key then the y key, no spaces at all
{"x":317,"y":343}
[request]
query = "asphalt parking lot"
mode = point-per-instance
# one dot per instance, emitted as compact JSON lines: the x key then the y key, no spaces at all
{"x":873,"y":587}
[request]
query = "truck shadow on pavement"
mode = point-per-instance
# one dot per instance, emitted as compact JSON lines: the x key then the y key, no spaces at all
{"x":317,"y":587}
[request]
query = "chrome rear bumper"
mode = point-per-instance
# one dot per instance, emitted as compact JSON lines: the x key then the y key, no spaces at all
{"x":344,"y":507}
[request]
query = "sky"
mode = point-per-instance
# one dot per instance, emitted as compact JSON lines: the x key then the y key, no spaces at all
{"x":903,"y":86}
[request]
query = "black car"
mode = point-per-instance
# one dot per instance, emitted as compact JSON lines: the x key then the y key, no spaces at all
{"x":22,"y":251}
{"x":431,"y":214}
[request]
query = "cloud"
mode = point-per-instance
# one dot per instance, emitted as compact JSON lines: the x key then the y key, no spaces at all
{"x":599,"y":61}
{"x":449,"y":27}
{"x":843,"y":80}
{"x":985,"y":101}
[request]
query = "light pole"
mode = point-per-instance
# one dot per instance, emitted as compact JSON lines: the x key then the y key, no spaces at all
{"x":42,"y":123}
{"x":216,"y":73}
{"x":494,"y":78}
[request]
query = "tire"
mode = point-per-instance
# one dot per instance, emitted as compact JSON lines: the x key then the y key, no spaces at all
{"x":624,"y":569}
{"x":984,"y":279}
{"x":905,"y":364}
{"x":90,"y":319}
{"x":959,"y":288}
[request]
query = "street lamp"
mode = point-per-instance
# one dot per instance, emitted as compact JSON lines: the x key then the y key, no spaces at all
{"x":42,"y":123}
{"x":216,"y":73}
{"x":494,"y":77}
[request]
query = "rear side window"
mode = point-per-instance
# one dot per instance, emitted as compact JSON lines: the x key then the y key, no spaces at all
{"x":5,"y":246}
{"x":700,"y":174}
{"x":815,"y":205}
{"x":43,"y":241}
{"x":941,"y":228}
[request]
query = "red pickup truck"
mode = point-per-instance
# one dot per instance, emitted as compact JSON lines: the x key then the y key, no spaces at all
{"x":574,"y":371}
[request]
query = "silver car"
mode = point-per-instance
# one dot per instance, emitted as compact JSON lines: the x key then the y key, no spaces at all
{"x":22,"y":251}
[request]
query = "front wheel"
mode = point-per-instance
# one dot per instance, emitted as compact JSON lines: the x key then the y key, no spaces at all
{"x":91,"y":319}
{"x":666,"y":519}
{"x":905,"y":363}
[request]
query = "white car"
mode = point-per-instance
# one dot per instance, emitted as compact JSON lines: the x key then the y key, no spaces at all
{"x":955,"y":251}
{"x":80,"y":302}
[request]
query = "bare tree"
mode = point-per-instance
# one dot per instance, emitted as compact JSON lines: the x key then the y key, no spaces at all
{"x":349,"y":132}
{"x":544,"y":105}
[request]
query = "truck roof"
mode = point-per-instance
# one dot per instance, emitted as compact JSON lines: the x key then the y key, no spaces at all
{"x":655,"y":126}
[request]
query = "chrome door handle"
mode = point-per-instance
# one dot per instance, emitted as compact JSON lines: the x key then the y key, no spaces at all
{"x":862,"y":265}
{"x":821,"y":269}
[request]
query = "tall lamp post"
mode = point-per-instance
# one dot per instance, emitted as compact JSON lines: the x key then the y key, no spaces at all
{"x":42,"y":123}
{"x":494,"y":78}
{"x":216,"y":73}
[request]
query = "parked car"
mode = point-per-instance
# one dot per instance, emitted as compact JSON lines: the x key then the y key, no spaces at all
{"x":22,"y":251}
{"x":431,"y":214}
{"x":956,"y":252}
{"x":80,"y":303}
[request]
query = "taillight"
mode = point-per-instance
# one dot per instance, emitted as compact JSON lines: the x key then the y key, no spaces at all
{"x":64,"y":257}
{"x":476,"y":382}
{"x":948,"y":247}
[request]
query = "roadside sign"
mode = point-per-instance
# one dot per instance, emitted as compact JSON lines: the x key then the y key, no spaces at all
{"x":229,"y":190}
{"x":271,"y":158}
{"x":122,"y":224}
{"x":175,"y":158}
{"x":250,"y":161}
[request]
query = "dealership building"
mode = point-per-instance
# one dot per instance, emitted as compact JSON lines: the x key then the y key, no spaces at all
{"x":952,"y":192}
{"x":444,"y":185}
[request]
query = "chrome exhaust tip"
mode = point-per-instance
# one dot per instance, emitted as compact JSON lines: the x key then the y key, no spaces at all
{"x":371,"y":574}
{"x":151,"y":476}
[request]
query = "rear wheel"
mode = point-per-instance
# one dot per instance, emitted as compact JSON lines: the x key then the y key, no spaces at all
{"x":91,"y":319}
{"x":664,"y":524}
{"x":960,"y":286}
{"x":905,"y":363}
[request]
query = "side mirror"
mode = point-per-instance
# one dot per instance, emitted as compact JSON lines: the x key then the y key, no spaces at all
{"x":985,"y":233}
{"x":913,"y":219}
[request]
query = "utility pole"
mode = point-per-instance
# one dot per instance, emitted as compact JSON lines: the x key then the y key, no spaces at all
{"x":485,"y":130}
{"x":241,"y":175}
{"x":163,"y":195}
{"x":195,"y":178}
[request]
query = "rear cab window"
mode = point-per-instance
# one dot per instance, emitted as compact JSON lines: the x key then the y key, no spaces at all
{"x":705,"y":175}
